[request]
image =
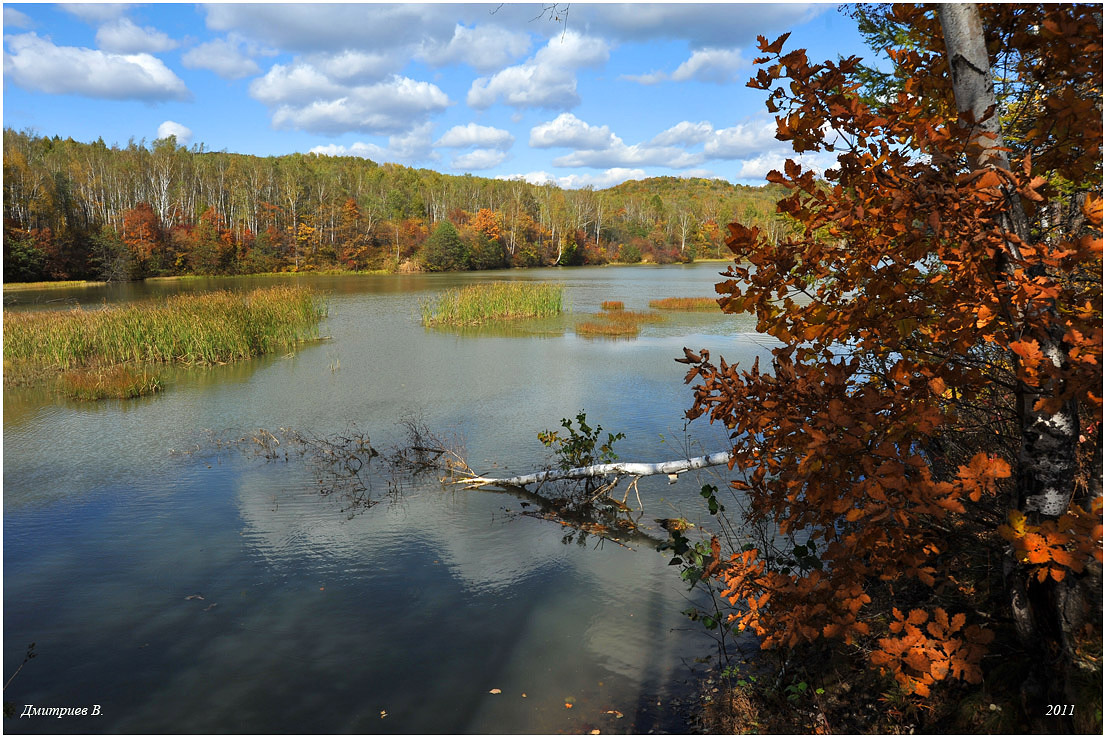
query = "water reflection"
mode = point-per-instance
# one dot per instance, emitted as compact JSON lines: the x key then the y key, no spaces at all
{"x":321,"y":620}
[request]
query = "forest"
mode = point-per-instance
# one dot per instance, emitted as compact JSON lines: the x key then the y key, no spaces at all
{"x":77,"y":210}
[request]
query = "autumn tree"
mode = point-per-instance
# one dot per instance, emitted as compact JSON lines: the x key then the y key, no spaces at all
{"x":934,"y":404}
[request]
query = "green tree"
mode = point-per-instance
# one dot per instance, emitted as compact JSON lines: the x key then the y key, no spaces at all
{"x":444,"y":251}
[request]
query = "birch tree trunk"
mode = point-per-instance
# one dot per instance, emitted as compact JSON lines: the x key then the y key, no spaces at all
{"x":1047,"y":463}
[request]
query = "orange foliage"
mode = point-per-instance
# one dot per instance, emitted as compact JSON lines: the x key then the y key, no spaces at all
{"x":918,"y":325}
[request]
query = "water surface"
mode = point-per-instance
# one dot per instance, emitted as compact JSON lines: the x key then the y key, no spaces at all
{"x":400,"y":618}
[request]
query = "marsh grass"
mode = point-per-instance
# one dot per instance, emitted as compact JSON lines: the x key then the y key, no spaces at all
{"x":210,"y":328}
{"x":611,"y":305}
{"x":617,"y":323}
{"x":705,"y":304}
{"x":120,"y":381}
{"x":482,"y":303}
{"x":21,"y":286}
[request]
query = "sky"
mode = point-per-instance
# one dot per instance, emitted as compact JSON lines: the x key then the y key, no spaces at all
{"x":593,"y":97}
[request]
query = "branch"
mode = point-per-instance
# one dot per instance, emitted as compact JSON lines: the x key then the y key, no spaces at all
{"x":599,"y":470}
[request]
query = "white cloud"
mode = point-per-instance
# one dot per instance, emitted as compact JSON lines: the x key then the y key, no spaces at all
{"x":609,"y":178}
{"x":14,"y":19}
{"x":705,"y":65}
{"x":569,"y":131}
{"x":387,"y":107}
{"x":596,"y":146}
{"x":412,"y":146}
{"x":479,"y":159}
{"x":352,"y":66}
{"x":484,"y":48}
{"x":96,"y":12}
{"x":475,"y":135}
{"x":325,"y":27}
{"x":700,"y":24}
{"x":743,"y":140}
{"x":37,"y":64}
{"x":548,"y":80}
{"x":710,"y":65}
{"x":221,"y":56}
{"x":172,"y":128}
{"x":684,"y":134}
{"x":296,"y":83}
{"x":124,"y":37}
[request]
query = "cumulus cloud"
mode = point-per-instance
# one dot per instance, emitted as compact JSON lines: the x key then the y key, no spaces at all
{"x":609,"y":178}
{"x":460,"y":137}
{"x":14,"y":19}
{"x":124,"y":37}
{"x":412,"y":146}
{"x":598,"y":147}
{"x":386,"y":107}
{"x":352,"y":66}
{"x":684,"y":134}
{"x":547,"y":80}
{"x":172,"y":128}
{"x":484,"y":48}
{"x":96,"y":12}
{"x":222,"y":56}
{"x":743,"y":140}
{"x":37,"y":64}
{"x":719,"y":66}
{"x":479,"y":159}
{"x":305,"y":97}
{"x":569,"y":131}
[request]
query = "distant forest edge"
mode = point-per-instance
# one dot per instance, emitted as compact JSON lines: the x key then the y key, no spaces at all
{"x":77,"y":210}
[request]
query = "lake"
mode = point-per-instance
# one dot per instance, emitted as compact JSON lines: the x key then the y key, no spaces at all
{"x":188,"y":588}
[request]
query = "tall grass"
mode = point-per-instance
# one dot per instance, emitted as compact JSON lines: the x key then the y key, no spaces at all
{"x":482,"y":303}
{"x":210,"y":328}
{"x":705,"y":304}
{"x":120,"y":381}
{"x":616,"y":323}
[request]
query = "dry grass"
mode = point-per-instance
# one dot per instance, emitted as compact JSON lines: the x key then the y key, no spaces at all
{"x":119,"y":381}
{"x":704,"y":304}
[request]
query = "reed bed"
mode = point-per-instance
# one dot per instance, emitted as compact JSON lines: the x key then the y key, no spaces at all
{"x":211,"y":328}
{"x":119,"y":381}
{"x":482,"y":303}
{"x":617,"y":323}
{"x":704,"y":304}
{"x":606,"y":328}
{"x":610,"y":305}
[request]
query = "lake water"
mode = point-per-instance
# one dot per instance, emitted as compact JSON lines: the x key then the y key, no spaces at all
{"x":396,"y":619}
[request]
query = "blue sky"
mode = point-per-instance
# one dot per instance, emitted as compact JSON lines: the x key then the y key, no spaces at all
{"x":617,"y":92}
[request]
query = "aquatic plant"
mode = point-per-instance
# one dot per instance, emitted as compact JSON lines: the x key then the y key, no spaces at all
{"x":705,"y":304}
{"x":607,"y":328}
{"x":481,"y":303}
{"x":611,"y":305}
{"x":119,"y":381}
{"x":210,"y":328}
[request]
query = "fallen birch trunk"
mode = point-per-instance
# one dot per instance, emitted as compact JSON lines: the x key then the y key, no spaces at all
{"x":601,"y":470}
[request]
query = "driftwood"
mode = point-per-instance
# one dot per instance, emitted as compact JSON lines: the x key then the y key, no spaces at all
{"x":633,"y":469}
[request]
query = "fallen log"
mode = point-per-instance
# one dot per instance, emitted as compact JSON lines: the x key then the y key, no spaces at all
{"x":633,"y":469}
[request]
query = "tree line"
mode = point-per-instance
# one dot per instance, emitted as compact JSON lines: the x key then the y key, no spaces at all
{"x":76,"y":210}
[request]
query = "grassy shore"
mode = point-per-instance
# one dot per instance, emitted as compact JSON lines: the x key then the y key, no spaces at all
{"x":482,"y":303}
{"x":209,"y":328}
{"x":22,"y":286}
